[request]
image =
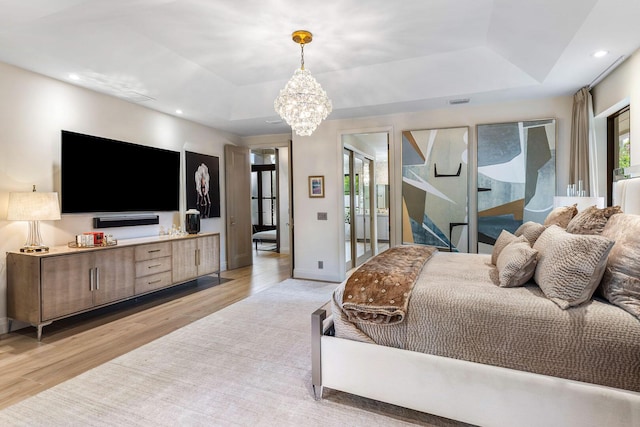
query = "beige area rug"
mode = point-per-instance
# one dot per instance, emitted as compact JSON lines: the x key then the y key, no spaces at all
{"x":246,"y":365}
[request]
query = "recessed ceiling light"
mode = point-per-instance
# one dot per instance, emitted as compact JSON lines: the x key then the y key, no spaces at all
{"x":600,"y":53}
{"x":178,"y":111}
{"x":273,"y":122}
{"x":74,"y":76}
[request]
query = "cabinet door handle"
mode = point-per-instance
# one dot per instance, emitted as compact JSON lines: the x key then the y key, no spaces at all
{"x":154,"y":250}
{"x":154,"y":281}
{"x":97,"y":278}
{"x":155,"y":265}
{"x":91,"y":283}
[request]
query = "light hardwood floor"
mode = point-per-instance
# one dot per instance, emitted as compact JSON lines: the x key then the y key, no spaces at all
{"x":72,"y":346}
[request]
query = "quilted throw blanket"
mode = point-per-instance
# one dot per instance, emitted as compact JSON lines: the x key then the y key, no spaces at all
{"x":378,"y":291}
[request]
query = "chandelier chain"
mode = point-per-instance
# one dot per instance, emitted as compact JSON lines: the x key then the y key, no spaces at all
{"x":302,"y":56}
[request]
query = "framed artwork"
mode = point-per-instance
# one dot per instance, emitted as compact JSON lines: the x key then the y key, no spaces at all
{"x":516,"y":176}
{"x":203,"y":184}
{"x":316,"y":186}
{"x":434,"y":188}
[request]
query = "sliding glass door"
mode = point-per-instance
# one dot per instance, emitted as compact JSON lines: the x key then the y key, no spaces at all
{"x":359,"y":213}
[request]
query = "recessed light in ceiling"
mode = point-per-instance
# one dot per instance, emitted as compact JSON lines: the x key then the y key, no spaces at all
{"x":74,"y":76}
{"x":600,"y":53}
{"x":178,"y":111}
{"x":273,"y":122}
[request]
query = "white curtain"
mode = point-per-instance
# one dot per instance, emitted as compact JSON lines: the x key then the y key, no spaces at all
{"x":582,"y":162}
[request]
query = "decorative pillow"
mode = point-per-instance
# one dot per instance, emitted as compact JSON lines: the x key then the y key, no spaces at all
{"x":621,"y":281}
{"x":531,"y":230}
{"x":503,"y":240}
{"x":516,"y":264}
{"x":570,"y":266}
{"x":561,"y":216}
{"x":591,"y":220}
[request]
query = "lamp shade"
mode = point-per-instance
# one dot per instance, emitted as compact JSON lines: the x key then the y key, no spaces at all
{"x":33,"y":206}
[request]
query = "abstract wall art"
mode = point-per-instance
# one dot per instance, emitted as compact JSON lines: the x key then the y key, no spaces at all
{"x":516,"y":176}
{"x":434,"y":188}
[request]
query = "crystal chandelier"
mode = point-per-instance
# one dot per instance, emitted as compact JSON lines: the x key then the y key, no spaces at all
{"x":303,"y":104}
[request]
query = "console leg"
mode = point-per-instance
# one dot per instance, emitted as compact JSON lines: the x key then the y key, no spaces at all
{"x":39,"y":327}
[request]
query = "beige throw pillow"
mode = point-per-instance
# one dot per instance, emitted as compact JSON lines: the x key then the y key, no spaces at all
{"x":591,"y":220}
{"x":621,"y":281}
{"x":516,"y":264}
{"x":561,"y":216}
{"x":531,"y":230}
{"x":503,"y":240}
{"x":570,"y":266}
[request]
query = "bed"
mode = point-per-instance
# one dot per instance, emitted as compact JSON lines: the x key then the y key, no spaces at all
{"x":475,"y":352}
{"x":266,"y":236}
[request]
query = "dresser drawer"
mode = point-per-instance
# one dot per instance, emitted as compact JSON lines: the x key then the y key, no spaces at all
{"x":152,"y":282}
{"x":153,"y":266}
{"x":155,"y":250}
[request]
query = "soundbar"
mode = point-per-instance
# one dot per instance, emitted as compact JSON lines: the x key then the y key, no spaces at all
{"x":124,"y":220}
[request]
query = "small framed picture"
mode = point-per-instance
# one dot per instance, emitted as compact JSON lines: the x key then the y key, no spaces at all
{"x":316,"y":186}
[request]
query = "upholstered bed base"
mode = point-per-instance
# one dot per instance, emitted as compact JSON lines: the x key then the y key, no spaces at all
{"x":465,"y":391}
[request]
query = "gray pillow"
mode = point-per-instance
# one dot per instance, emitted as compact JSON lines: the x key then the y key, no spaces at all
{"x":516,"y":264}
{"x":621,"y":281}
{"x":591,"y":220}
{"x":531,"y":230}
{"x":503,"y":240}
{"x":570,"y":266}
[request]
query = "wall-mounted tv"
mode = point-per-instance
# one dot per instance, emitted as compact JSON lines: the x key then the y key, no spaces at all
{"x":105,"y":175}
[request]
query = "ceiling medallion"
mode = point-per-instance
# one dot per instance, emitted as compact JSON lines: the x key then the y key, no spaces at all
{"x":303,"y":104}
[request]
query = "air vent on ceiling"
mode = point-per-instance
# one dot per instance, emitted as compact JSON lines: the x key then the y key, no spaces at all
{"x":459,"y":101}
{"x":133,"y":96}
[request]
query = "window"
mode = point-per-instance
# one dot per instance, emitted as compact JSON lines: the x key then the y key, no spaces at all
{"x":618,"y":145}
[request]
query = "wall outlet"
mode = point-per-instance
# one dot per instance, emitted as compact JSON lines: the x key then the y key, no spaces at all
{"x":320,"y":265}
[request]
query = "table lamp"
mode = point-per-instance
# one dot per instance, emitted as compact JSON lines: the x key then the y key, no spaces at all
{"x":33,"y":207}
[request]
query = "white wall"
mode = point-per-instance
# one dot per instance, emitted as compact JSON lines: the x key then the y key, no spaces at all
{"x":321,"y":154}
{"x":618,"y":89}
{"x":283,"y":199}
{"x":33,"y":110}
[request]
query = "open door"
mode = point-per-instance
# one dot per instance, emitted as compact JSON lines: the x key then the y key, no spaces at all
{"x":237,"y":164}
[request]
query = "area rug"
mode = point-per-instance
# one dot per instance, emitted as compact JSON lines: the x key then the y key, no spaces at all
{"x":246,"y":365}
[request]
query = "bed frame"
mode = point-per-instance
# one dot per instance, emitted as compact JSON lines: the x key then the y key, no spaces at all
{"x":465,"y":391}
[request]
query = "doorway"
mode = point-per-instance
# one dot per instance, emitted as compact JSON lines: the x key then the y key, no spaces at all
{"x":270,"y":200}
{"x":366,"y":196}
{"x":264,"y":206}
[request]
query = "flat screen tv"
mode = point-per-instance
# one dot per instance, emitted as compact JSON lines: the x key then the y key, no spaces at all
{"x":105,"y":175}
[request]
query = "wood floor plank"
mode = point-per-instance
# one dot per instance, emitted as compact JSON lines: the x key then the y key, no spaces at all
{"x":72,"y":346}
